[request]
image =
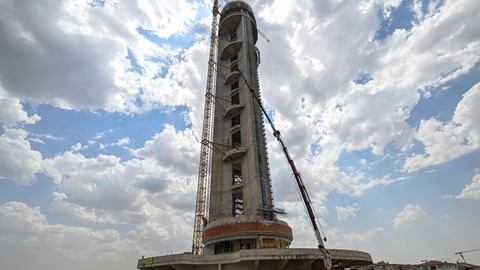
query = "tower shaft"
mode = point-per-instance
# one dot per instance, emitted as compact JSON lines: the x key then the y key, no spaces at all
{"x":241,"y":211}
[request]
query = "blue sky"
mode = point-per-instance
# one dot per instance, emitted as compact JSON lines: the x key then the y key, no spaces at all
{"x":101,"y":106}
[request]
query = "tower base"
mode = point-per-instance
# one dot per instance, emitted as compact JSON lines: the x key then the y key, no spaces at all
{"x":256,"y":259}
{"x":235,"y":233}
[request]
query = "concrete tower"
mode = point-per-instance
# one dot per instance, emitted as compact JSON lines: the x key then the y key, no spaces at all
{"x":242,"y":231}
{"x":241,"y":212}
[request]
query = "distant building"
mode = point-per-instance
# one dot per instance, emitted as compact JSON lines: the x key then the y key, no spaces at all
{"x":429,"y":265}
{"x":467,"y":266}
{"x":438,"y":265}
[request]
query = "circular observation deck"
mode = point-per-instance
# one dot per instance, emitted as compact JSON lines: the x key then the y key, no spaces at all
{"x":231,"y":17}
{"x":246,"y":227}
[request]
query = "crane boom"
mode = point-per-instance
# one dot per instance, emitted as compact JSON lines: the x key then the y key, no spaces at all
{"x":466,"y":251}
{"x":205,"y":151}
{"x":327,"y":258}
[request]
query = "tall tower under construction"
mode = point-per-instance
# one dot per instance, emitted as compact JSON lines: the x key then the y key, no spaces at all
{"x":236,"y":224}
{"x":241,"y":213}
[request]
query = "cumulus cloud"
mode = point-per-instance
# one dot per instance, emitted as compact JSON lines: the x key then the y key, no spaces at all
{"x":78,"y":147}
{"x":472,"y":190}
{"x":325,"y":114}
{"x":346,"y":212}
{"x":104,"y":189}
{"x":61,"y":207}
{"x":18,"y":162}
{"x":123,"y":141}
{"x":410,"y":216}
{"x":12,"y":112}
{"x":364,"y":237}
{"x":82,"y":56}
{"x":137,"y":193}
{"x":95,"y":183}
{"x":172,"y":148}
{"x":26,"y":228}
{"x":446,"y":141}
{"x":142,"y":193}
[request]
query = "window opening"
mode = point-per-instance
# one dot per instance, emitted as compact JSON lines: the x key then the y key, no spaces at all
{"x":223,"y":247}
{"x":236,"y":139}
{"x":237,"y":173}
{"x":237,"y":204}
{"x":235,"y":120}
{"x":234,"y":86}
{"x":233,"y":36}
{"x":235,"y":99}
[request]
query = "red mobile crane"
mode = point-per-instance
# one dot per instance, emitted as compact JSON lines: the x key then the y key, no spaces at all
{"x":327,"y":258}
{"x":466,"y":251}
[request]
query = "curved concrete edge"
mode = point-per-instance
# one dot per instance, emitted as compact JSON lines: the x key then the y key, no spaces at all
{"x":291,"y":255}
{"x":254,"y":228}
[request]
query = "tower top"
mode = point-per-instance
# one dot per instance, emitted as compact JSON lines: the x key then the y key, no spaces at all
{"x":231,"y":16}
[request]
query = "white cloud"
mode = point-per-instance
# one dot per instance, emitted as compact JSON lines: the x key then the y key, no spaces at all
{"x":346,"y":212}
{"x":76,"y":54}
{"x":323,"y":113}
{"x":363,"y":237}
{"x":137,"y":193}
{"x":100,"y":186}
{"x":94,"y":183}
{"x":428,"y":57}
{"x":276,"y":11}
{"x":61,"y":207}
{"x":18,"y":162}
{"x":472,"y":190}
{"x":26,"y":228}
{"x":123,"y":141}
{"x":142,"y":192}
{"x":46,"y":136}
{"x":78,"y":147}
{"x":410,"y":216}
{"x":173,"y":149}
{"x":353,"y":127}
{"x":12,"y":112}
{"x":446,"y":141}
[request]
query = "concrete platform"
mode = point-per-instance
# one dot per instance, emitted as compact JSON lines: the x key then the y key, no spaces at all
{"x":256,"y":259}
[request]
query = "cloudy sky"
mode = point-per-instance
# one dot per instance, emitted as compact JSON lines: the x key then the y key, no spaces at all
{"x":101,"y":104}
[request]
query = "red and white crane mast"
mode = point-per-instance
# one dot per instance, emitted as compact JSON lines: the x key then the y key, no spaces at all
{"x":205,"y":150}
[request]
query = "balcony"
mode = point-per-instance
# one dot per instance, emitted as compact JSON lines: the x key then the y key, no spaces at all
{"x":233,"y":110}
{"x":235,"y":153}
{"x":231,"y":49}
{"x":232,"y":77}
{"x":230,"y":23}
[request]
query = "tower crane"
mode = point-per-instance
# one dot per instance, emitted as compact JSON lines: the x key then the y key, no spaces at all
{"x":205,"y":151}
{"x":466,"y":251}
